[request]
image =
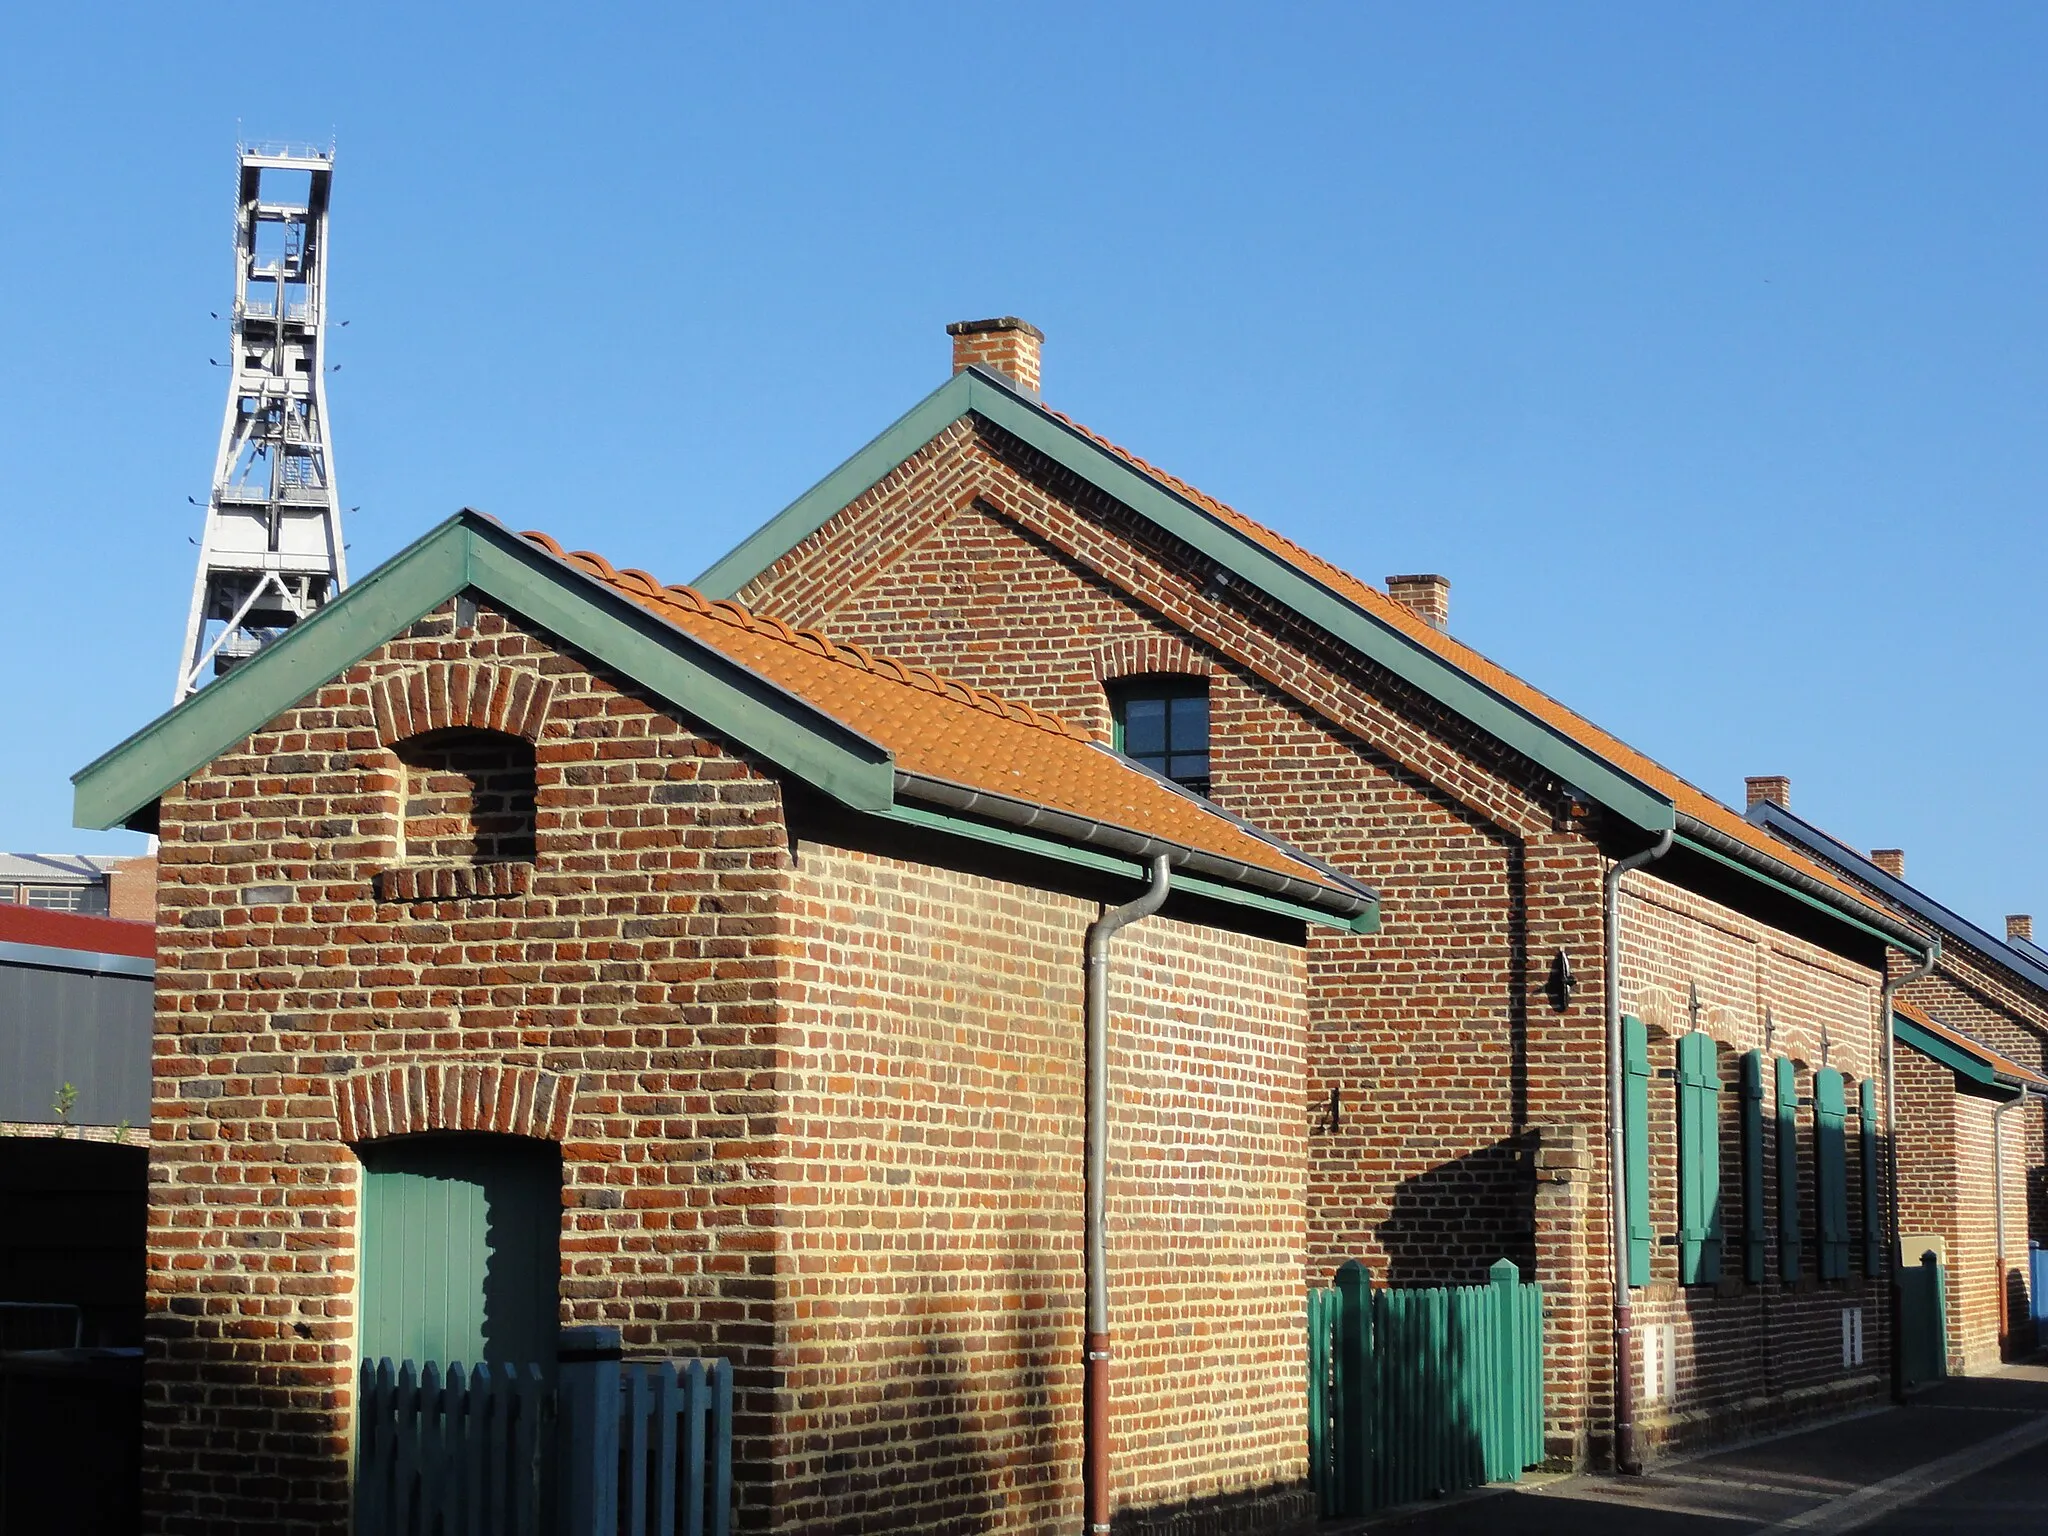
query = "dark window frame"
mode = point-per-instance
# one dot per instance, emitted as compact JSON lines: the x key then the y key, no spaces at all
{"x":1174,"y":752}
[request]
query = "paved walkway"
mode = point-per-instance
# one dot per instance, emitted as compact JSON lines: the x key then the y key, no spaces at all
{"x":1964,"y":1456}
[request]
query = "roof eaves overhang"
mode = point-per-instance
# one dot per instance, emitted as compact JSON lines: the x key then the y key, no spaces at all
{"x":473,"y":552}
{"x":931,"y":818}
{"x":1802,"y":833}
{"x":1710,"y":842}
{"x":975,"y":391}
{"x":1974,"y":1064}
{"x":1344,"y":902}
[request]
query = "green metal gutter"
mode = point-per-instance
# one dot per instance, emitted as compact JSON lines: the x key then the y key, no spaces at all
{"x":1126,"y":868}
{"x":1024,"y":418}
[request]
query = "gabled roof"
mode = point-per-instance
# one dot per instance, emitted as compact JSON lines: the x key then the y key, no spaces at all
{"x":1592,"y":761}
{"x":2031,"y":968}
{"x":1972,"y":1058}
{"x":881,"y":738}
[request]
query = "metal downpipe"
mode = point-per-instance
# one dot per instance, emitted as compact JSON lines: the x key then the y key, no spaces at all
{"x":1998,"y":1206}
{"x":1625,"y":1458}
{"x":1095,"y":1354}
{"x":1896,"y":1297}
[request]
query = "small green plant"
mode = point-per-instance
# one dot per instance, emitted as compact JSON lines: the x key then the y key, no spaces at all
{"x":62,"y":1104}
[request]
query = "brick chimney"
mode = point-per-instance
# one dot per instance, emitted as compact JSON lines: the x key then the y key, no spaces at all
{"x":2020,"y":926}
{"x":1891,"y":860}
{"x":1008,"y":345}
{"x":1427,"y":597}
{"x":1772,"y":787}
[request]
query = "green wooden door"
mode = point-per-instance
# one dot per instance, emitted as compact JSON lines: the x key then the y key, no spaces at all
{"x":461,"y":1250}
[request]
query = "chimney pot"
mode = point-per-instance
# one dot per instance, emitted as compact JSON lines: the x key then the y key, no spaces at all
{"x":1008,"y":345}
{"x":1891,"y":860}
{"x":2020,"y":926}
{"x":1427,"y":597}
{"x":1774,"y":787}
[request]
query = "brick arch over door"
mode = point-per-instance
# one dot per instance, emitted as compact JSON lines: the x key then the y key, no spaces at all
{"x":415,"y":1097}
{"x":455,"y":695}
{"x":1151,"y":655}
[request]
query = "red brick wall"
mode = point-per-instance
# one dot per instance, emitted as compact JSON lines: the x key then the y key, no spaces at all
{"x":935,"y":1140}
{"x":1749,"y":1353}
{"x":1945,"y":1147}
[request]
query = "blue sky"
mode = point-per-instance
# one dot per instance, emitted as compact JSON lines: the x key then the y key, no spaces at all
{"x":1704,"y":348}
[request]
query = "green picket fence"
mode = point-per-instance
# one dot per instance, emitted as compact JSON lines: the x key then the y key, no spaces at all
{"x":610,"y":1447}
{"x":1415,"y":1393}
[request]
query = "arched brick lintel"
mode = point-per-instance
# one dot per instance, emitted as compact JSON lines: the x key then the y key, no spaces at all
{"x":1142,"y":655}
{"x":414,"y":1097}
{"x":447,"y":695}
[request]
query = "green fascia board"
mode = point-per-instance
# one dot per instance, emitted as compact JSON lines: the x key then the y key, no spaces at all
{"x":847,"y":484}
{"x":1783,"y":889}
{"x":123,"y":781}
{"x":1093,"y":859}
{"x":470,"y":551}
{"x":1952,"y":1056}
{"x":980,"y":394}
{"x":734,"y":702}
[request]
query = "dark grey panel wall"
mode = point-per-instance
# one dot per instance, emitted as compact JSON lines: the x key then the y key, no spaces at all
{"x":91,"y":1031}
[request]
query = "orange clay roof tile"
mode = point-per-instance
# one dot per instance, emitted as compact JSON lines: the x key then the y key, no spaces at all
{"x":942,"y":729}
{"x":1689,"y":799}
{"x":2000,"y":1063}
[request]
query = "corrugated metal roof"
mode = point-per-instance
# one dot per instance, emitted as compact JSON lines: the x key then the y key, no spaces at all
{"x":57,"y":868}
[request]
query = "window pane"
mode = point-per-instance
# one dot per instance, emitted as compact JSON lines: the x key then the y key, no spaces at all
{"x":1188,"y":730}
{"x":57,"y":898}
{"x":1144,"y":726}
{"x":1188,"y":765}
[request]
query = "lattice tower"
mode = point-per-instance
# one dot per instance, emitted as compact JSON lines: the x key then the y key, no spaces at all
{"x":272,"y":552}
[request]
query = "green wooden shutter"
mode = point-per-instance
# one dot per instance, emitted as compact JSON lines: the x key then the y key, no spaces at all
{"x":1753,"y":1167}
{"x":1699,"y":1161}
{"x":461,"y":1243}
{"x":1790,"y":1241}
{"x":1635,"y":1124}
{"x":1831,"y":1174}
{"x":1873,"y":1218}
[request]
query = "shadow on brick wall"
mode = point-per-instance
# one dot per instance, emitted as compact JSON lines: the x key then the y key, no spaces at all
{"x":953,"y":1426}
{"x":1250,"y":1512}
{"x":1446,"y":1226}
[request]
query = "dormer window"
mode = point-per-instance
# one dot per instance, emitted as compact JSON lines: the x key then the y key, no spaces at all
{"x":1163,"y":722}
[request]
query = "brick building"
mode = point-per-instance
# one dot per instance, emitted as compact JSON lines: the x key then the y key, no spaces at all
{"x":94,"y":885}
{"x":737,"y":976}
{"x":1463,"y":1058}
{"x":1973,"y":1183}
